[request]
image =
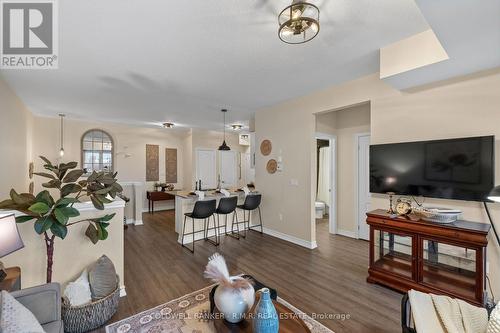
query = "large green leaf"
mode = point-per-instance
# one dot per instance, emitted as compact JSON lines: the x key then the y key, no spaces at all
{"x":103,"y":191}
{"x":103,"y":199}
{"x":73,"y":176}
{"x":105,"y":218}
{"x":43,"y":224}
{"x":59,"y":230}
{"x":117,"y":187}
{"x":92,"y":233}
{"x":44,"y":174}
{"x":70,"y":188}
{"x":60,"y":216}
{"x":53,"y":169}
{"x":45,"y":197}
{"x":102,"y":233}
{"x":108,"y":181}
{"x":63,"y":202}
{"x":8,"y":204}
{"x":64,"y":213}
{"x":93,"y":177}
{"x":21,"y":199}
{"x":54,"y":183}
{"x":46,"y":160}
{"x":39,"y":208}
{"x":98,"y":204}
{"x":67,"y":166}
{"x":24,"y":218}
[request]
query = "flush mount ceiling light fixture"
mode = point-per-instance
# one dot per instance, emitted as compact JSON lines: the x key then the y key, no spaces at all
{"x":299,"y":22}
{"x":168,"y":125}
{"x":236,"y":127}
{"x":224,"y":145}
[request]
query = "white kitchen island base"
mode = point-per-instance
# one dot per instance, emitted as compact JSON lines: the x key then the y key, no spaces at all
{"x":184,"y":203}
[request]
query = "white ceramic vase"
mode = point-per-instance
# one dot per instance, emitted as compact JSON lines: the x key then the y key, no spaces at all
{"x":234,"y":304}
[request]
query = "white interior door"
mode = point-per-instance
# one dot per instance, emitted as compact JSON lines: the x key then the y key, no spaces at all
{"x":363,"y":185}
{"x":228,"y":169}
{"x":246,"y":166}
{"x":206,"y":168}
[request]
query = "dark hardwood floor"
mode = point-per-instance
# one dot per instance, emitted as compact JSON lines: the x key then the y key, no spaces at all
{"x":329,"y":279}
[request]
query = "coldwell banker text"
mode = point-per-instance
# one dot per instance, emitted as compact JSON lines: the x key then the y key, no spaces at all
{"x":29,"y":34}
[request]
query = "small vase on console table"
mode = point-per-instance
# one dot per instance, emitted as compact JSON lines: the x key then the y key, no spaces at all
{"x":407,"y":252}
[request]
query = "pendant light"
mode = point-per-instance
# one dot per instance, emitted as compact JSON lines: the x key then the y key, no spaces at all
{"x":61,"y":151}
{"x":224,"y":146}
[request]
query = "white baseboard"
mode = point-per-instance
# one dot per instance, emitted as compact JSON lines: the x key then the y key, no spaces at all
{"x":130,"y":221}
{"x":292,"y":239}
{"x":159,"y":209}
{"x":347,"y":233}
{"x":123,"y":292}
{"x":298,"y":241}
{"x":138,"y":222}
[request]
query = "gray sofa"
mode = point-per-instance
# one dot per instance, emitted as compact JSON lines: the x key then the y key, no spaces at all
{"x":45,"y":303}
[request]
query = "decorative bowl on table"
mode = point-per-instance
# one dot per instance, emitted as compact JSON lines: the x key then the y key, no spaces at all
{"x":440,"y":215}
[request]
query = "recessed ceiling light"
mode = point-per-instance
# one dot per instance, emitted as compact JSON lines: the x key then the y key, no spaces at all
{"x":168,"y":125}
{"x":236,"y":127}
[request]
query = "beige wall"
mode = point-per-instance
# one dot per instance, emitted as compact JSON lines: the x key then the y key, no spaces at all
{"x":17,"y":128}
{"x":15,"y":135}
{"x":212,"y":140}
{"x":129,"y":148}
{"x":71,"y":255}
{"x":345,"y":124}
{"x":129,"y":145}
{"x":456,"y":108}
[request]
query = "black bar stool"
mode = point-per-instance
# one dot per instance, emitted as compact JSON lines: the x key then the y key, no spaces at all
{"x":203,"y":210}
{"x":252,"y":202}
{"x":227,"y":205}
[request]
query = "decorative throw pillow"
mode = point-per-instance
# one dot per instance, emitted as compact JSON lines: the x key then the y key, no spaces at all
{"x":78,"y":292}
{"x":102,"y":277}
{"x":494,"y":323}
{"x":15,"y":318}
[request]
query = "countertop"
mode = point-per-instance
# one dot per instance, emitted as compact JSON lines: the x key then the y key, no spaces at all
{"x":208,"y":194}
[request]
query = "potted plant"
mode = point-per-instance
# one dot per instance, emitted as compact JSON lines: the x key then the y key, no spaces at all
{"x":51,"y":215}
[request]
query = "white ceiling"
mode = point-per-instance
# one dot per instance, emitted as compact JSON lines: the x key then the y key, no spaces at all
{"x":468,"y":30}
{"x":149,"y":61}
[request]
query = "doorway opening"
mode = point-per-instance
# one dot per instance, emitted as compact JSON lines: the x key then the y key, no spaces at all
{"x":324,"y":205}
{"x":349,"y":128}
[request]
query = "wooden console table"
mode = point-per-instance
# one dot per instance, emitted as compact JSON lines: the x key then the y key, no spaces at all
{"x":410,"y":253}
{"x":153,"y":196}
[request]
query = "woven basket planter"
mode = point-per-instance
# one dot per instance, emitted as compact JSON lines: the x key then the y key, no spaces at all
{"x":84,"y":318}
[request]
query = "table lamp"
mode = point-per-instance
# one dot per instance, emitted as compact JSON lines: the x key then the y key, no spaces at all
{"x":10,"y":240}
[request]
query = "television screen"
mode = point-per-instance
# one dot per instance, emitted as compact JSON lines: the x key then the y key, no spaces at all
{"x":461,"y":169}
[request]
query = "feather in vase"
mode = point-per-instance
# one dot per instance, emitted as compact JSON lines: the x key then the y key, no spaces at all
{"x":217,"y":271}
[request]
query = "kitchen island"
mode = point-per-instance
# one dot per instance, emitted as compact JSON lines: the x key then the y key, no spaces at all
{"x":184,"y":203}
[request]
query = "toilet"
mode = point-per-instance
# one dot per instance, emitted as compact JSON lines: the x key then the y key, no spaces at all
{"x":320,"y":209}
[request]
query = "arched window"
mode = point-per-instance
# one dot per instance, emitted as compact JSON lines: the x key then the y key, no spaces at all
{"x":97,"y":151}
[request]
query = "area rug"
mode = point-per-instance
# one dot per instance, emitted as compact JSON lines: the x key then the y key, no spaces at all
{"x":188,"y":314}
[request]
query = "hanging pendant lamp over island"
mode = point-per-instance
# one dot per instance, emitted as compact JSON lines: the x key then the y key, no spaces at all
{"x":61,"y":150}
{"x":224,"y":146}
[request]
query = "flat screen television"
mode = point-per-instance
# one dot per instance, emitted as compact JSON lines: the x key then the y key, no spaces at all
{"x":461,"y":169}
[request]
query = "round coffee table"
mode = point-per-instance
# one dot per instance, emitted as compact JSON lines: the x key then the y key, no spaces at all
{"x":289,"y":322}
